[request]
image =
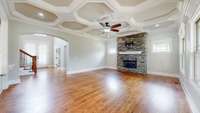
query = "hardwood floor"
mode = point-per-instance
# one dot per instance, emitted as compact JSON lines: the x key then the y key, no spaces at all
{"x":102,"y":91}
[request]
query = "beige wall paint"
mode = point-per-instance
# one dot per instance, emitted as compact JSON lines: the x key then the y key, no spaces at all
{"x":85,"y":53}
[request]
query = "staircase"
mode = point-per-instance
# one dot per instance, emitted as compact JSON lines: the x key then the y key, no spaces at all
{"x":28,"y":63}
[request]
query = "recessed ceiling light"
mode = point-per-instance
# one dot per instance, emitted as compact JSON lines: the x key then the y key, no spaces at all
{"x":157,"y":25}
{"x":40,"y":35}
{"x":41,"y":14}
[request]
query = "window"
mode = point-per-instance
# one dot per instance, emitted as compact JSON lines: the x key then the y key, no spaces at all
{"x":161,"y":46}
{"x":30,"y":48}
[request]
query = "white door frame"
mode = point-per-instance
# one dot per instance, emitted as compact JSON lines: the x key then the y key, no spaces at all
{"x":66,"y":57}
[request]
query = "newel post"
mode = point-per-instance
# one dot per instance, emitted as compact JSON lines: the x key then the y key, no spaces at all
{"x":34,"y":64}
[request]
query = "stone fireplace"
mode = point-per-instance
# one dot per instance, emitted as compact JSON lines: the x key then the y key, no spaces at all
{"x":132,"y":53}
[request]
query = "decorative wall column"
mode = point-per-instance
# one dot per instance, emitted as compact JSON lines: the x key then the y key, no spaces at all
{"x":3,"y":46}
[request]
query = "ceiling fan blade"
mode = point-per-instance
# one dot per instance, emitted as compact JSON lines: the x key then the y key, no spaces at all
{"x":102,"y":24}
{"x":115,"y":30}
{"x":116,"y":25}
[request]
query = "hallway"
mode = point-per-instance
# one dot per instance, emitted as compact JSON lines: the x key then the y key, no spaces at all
{"x":101,"y":91}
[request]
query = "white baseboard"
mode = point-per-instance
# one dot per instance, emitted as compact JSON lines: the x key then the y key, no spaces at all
{"x":163,"y":74}
{"x":61,"y":68}
{"x":51,"y":66}
{"x":189,"y":97}
{"x":110,"y":67}
{"x":85,"y":70}
{"x":13,"y":82}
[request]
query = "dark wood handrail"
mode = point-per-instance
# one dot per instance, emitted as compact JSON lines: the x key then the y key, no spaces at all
{"x":34,"y":60}
{"x":22,"y":51}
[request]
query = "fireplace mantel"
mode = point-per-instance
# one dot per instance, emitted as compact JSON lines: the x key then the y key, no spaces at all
{"x":130,"y":52}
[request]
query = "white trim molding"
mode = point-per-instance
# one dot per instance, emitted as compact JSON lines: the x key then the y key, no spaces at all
{"x":3,"y":45}
{"x":189,"y":95}
{"x":163,"y":74}
{"x":110,"y":67}
{"x":13,"y":82}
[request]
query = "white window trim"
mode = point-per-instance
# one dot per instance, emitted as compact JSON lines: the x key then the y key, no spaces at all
{"x":194,"y":47}
{"x":162,"y":41}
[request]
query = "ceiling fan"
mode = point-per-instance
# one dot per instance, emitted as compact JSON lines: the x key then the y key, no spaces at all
{"x":107,"y":27}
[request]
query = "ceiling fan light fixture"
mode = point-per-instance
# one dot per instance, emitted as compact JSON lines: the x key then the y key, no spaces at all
{"x":107,"y":30}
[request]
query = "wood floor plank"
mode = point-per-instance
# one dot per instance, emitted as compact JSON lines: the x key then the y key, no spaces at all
{"x":101,"y":91}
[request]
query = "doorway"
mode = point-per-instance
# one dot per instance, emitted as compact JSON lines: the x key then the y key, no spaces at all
{"x":50,"y":52}
{"x":61,"y":54}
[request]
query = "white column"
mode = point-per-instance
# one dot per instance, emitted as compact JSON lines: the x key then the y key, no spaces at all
{"x":3,"y":47}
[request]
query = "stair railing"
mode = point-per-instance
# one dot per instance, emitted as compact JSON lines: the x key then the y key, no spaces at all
{"x":24,"y":56}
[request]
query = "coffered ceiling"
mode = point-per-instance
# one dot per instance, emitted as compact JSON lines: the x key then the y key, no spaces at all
{"x":59,"y":3}
{"x":34,"y":12}
{"x":93,"y":11}
{"x":73,"y":25}
{"x":130,"y":3}
{"x":84,"y":15}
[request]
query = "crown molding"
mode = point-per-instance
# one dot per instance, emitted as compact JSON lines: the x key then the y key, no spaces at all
{"x":186,"y":5}
{"x":196,"y":15}
{"x":5,"y":8}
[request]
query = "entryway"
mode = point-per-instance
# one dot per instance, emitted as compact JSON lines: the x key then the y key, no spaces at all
{"x":39,"y":51}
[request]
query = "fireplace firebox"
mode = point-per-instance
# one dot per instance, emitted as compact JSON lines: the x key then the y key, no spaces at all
{"x":131,"y":64}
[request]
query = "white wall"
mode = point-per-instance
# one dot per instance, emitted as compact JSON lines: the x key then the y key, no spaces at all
{"x":166,"y":64}
{"x":163,"y":63}
{"x":111,"y":53}
{"x":85,"y":53}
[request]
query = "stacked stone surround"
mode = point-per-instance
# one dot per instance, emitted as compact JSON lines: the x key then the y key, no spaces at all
{"x":135,"y":43}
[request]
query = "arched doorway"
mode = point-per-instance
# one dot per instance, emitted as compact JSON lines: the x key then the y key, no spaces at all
{"x":50,"y":51}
